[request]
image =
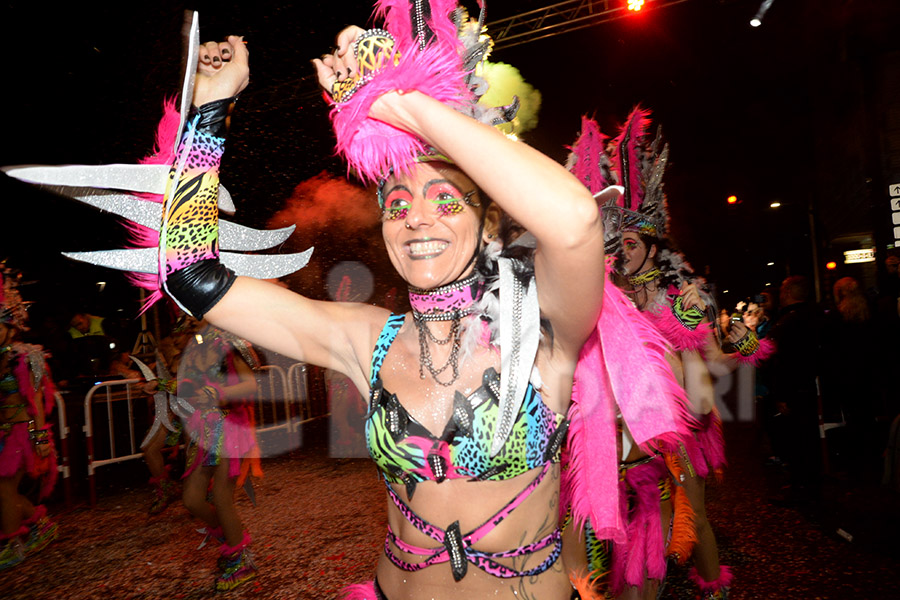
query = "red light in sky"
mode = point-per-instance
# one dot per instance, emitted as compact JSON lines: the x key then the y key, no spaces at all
{"x":732,"y":199}
{"x":635,"y":5}
{"x":831,"y":265}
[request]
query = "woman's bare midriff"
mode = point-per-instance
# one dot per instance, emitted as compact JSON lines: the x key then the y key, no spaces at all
{"x":443,"y":503}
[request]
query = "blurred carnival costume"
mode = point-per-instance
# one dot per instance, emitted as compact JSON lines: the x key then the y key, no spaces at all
{"x":659,"y":281}
{"x":26,"y":440}
{"x":215,"y":377}
{"x":170,"y":411}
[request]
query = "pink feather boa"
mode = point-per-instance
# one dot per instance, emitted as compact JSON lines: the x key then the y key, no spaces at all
{"x":643,"y":555}
{"x":680,"y":337}
{"x":764,"y":352}
{"x":706,"y":448}
{"x":622,"y":367}
{"x":372,"y":147}
{"x":726,"y":577}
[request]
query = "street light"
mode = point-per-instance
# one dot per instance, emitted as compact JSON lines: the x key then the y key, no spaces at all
{"x":756,"y":21}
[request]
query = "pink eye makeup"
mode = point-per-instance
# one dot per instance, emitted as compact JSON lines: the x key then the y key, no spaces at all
{"x":396,"y":205}
{"x":447,"y":198}
{"x":629,"y":244}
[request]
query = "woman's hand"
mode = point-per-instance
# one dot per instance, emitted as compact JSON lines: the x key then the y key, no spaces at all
{"x":690,"y":296}
{"x":340,"y":63}
{"x":738,"y":330}
{"x":223,"y":70}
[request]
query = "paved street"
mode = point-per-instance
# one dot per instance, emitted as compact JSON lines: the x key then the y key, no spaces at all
{"x":319,"y":523}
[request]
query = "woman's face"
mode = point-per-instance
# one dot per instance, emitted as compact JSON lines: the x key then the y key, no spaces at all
{"x":635,"y":251}
{"x":430,"y":230}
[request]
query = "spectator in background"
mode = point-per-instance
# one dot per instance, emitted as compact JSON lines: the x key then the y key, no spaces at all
{"x":848,"y":382}
{"x":762,"y":319}
{"x":795,"y":368}
{"x":83,"y":324}
{"x":891,"y":291}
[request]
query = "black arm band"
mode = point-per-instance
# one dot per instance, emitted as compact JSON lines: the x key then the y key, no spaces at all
{"x":199,"y":286}
{"x":213,"y":116}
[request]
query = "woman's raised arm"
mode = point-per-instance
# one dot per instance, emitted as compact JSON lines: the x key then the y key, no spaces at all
{"x":538,"y":193}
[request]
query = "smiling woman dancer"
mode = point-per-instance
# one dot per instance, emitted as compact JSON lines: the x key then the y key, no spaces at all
{"x":472,"y":478}
{"x":469,"y":392}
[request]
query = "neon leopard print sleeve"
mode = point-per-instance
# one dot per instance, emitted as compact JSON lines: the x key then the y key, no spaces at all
{"x":190,"y":271}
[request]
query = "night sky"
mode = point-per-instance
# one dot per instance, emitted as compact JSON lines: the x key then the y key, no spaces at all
{"x":85,"y":82}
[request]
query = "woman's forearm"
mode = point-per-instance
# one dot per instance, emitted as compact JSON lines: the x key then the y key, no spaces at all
{"x":534,"y":190}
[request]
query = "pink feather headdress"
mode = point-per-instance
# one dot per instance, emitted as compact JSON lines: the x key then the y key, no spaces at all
{"x":434,"y":49}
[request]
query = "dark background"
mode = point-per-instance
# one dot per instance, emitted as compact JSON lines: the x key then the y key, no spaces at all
{"x":742,"y":108}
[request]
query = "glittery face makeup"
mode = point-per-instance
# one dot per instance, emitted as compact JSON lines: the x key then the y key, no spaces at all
{"x":635,"y":253}
{"x":447,"y":199}
{"x":431,"y":224}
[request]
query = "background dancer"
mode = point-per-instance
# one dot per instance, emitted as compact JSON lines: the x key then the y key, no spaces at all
{"x":215,"y":375}
{"x":168,"y":432}
{"x":26,"y":440}
{"x":664,"y":287}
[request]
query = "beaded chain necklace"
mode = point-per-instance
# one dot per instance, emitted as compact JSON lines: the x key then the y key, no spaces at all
{"x":450,"y":302}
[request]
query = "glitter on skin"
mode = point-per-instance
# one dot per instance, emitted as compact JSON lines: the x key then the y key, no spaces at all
{"x":448,"y":200}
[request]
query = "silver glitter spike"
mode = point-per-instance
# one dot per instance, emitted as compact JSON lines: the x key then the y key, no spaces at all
{"x":36,"y":363}
{"x":265,"y":266}
{"x":145,"y":370}
{"x":140,"y":260}
{"x":149,"y":179}
{"x":146,"y":260}
{"x":160,"y":401}
{"x":149,"y":214}
{"x":226,"y":203}
{"x":239,"y":237}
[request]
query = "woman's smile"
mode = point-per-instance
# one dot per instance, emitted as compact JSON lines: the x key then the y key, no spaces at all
{"x":421,"y":249}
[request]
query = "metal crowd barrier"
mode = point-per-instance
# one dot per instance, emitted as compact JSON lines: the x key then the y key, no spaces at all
{"x":109,"y":392}
{"x":298,"y":385}
{"x":282,"y":404}
{"x":64,"y":466}
{"x":272,"y":394}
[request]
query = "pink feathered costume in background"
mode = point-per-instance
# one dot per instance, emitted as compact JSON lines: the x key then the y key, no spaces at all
{"x":29,"y":375}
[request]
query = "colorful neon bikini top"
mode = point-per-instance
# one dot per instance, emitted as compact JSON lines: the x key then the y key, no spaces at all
{"x":408,"y":453}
